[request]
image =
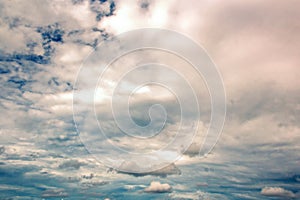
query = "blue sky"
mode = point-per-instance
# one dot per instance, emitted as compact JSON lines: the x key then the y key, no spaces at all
{"x":255,"y":46}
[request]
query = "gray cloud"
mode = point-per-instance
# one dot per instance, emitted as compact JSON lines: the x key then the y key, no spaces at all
{"x":71,"y":164}
{"x":171,"y":169}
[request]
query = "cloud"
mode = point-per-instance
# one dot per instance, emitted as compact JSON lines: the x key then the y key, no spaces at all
{"x":254,"y":43}
{"x":193,"y":150}
{"x":190,"y":195}
{"x":54,"y":193}
{"x":2,"y":149}
{"x":71,"y":164}
{"x":277,"y":192}
{"x":157,"y":187}
{"x":260,"y":79}
{"x":171,"y":169}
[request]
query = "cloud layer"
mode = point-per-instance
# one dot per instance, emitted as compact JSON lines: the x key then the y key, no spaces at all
{"x":255,"y":46}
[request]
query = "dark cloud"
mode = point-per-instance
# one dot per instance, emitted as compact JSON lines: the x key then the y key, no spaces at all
{"x":71,"y":164}
{"x":145,"y":4}
{"x":2,"y":150}
{"x":171,"y":169}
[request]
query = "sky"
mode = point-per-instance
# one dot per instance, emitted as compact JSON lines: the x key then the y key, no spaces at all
{"x":52,"y":54}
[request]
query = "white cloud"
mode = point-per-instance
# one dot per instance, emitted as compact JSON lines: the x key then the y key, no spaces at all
{"x":190,"y":195}
{"x":72,"y":54}
{"x":11,"y":40}
{"x":157,"y":17}
{"x":277,"y":192}
{"x":158,"y":187}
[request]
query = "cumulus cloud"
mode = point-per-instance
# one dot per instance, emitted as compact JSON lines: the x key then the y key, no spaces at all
{"x":157,"y":187}
{"x":277,"y":192}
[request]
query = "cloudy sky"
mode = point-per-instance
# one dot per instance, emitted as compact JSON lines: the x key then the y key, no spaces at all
{"x":47,"y":52}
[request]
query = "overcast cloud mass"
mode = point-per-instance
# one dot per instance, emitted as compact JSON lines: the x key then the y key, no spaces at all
{"x":255,"y":45}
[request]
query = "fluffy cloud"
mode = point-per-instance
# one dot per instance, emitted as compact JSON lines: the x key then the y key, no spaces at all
{"x":158,"y":187}
{"x":277,"y":192}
